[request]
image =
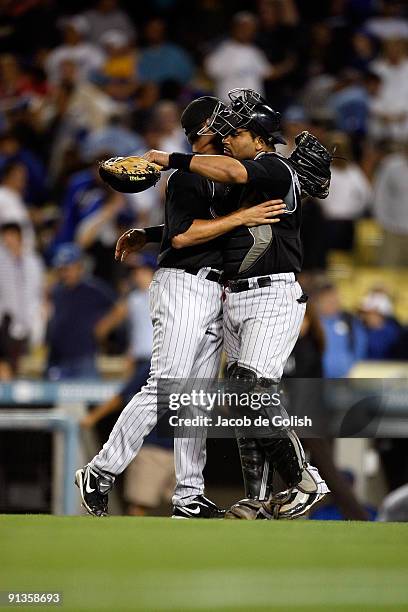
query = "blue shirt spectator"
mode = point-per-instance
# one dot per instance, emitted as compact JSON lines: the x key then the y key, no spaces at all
{"x":383,"y":331}
{"x":161,"y":60}
{"x":84,"y":195}
{"x":346,"y":339}
{"x":77,"y":302}
{"x":351,"y":108}
{"x":346,"y":343}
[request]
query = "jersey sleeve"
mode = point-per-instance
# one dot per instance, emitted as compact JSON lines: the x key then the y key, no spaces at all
{"x":269,"y":174}
{"x":154,"y":233}
{"x":184,"y":196}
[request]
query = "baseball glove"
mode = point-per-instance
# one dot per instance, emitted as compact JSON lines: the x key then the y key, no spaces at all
{"x":129,"y":174}
{"x":311,"y":161}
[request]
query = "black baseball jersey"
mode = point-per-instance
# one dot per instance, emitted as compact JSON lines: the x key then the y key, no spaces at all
{"x":188,"y":197}
{"x":265,"y":249}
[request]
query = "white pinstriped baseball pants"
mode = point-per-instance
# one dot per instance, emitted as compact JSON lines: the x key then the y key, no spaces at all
{"x":261,"y":325}
{"x":186,"y":312}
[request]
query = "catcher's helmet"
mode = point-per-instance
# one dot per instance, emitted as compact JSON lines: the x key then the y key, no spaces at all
{"x":247,"y":110}
{"x":197,"y":113}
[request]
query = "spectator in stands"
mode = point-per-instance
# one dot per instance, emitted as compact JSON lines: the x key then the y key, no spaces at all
{"x":77,"y":302}
{"x":383,"y":331}
{"x":322,"y":55}
{"x":150,"y":477}
{"x":305,"y":360}
{"x":86,"y":56}
{"x":391,"y":208}
{"x":390,"y":113}
{"x":95,"y":216}
{"x":72,"y":110}
{"x":119,"y":70}
{"x":161,"y":60}
{"x":105,"y":16}
{"x":166,"y":119}
{"x":350,"y":103}
{"x":363,"y":50}
{"x":21,"y":296}
{"x":16,"y":85}
{"x":86,"y":194}
{"x":346,"y":339}
{"x":279,"y":38}
{"x":135,"y":309}
{"x":12,"y":149}
{"x":147,"y":96}
{"x":390,"y":23}
{"x":238,"y":61}
{"x":12,"y":206}
{"x":294,"y":121}
{"x":349,"y":197}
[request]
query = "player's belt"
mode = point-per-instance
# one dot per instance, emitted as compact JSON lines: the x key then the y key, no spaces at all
{"x":244,"y":284}
{"x":212,"y":275}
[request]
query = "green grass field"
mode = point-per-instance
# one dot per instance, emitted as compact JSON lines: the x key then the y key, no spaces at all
{"x":154,"y":564}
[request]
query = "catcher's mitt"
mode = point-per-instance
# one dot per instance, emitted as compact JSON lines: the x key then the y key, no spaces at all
{"x":129,"y":174}
{"x":311,"y":161}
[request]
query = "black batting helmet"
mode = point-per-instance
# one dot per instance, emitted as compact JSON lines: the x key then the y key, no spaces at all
{"x":247,"y":110}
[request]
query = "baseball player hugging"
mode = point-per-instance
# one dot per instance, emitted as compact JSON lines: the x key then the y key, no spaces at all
{"x":186,"y":310}
{"x":264,"y":304}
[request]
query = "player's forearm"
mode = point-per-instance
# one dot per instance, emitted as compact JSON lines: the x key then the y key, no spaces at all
{"x":202,"y":230}
{"x":216,"y":167}
{"x":219,"y":168}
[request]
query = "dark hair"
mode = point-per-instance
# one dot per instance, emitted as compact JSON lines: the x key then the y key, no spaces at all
{"x":8,"y":168}
{"x":11,"y":226}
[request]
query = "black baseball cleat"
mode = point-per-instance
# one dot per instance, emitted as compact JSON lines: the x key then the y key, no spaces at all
{"x":94,"y":487}
{"x":200,"y":507}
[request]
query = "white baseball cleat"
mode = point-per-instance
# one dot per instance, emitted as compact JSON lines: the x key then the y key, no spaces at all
{"x":296,"y":502}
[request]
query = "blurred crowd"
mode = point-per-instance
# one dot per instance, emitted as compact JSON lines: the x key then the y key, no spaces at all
{"x":83,"y":81}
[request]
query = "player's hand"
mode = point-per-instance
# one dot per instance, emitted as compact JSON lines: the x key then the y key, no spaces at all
{"x":262,"y":214}
{"x":158,"y":157}
{"x":130,"y":242}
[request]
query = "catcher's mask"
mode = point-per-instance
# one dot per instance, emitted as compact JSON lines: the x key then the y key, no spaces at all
{"x":247,"y":110}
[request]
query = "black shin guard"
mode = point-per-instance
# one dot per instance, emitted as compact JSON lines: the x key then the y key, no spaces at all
{"x":255,"y":469}
{"x":282,"y":456}
{"x":277,"y":448}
